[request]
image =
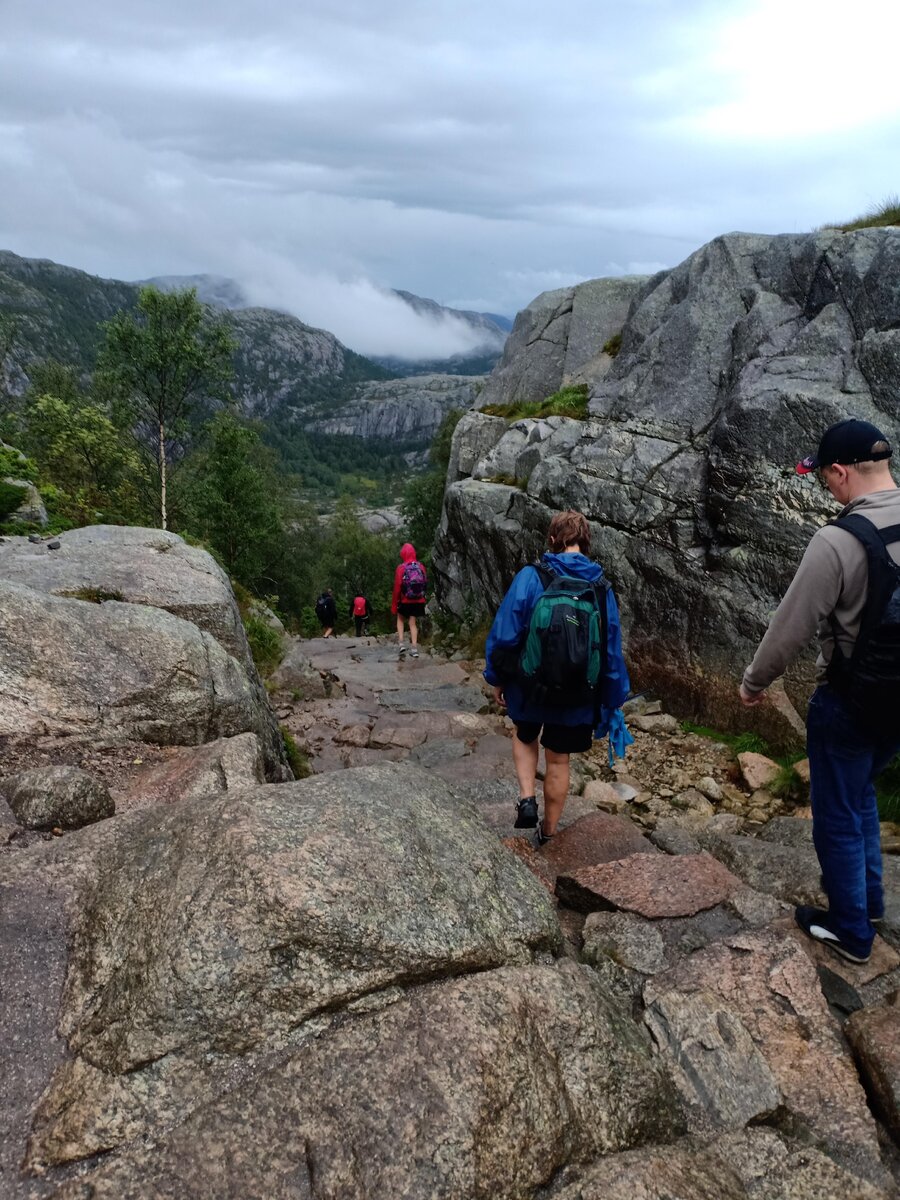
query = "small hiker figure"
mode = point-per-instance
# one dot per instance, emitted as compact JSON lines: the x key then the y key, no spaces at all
{"x":410,"y":586}
{"x":361,"y":611}
{"x":554,"y":660}
{"x":326,"y":611}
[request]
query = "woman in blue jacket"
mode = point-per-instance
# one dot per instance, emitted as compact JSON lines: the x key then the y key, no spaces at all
{"x":565,"y":730}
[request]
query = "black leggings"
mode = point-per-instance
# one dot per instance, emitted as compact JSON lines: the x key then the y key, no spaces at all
{"x":360,"y":623}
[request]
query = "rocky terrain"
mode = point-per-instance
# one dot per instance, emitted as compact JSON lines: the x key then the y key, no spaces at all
{"x":400,"y":410}
{"x":730,"y":367}
{"x":361,"y":984}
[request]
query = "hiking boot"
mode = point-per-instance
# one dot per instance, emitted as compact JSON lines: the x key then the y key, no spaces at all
{"x":814,"y":923}
{"x":541,"y":838}
{"x":526,"y":813}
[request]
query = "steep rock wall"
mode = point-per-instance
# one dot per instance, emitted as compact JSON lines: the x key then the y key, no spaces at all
{"x":731,"y":366}
{"x":409,"y":409}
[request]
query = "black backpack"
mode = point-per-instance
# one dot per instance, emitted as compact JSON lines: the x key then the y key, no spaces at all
{"x":868,"y":682}
{"x":561,"y":662}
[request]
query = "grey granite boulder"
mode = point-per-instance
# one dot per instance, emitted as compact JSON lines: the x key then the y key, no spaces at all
{"x":407,"y":410}
{"x":67,"y":797}
{"x":731,"y":366}
{"x":482,"y":1086}
{"x":116,"y":669}
{"x":212,"y":931}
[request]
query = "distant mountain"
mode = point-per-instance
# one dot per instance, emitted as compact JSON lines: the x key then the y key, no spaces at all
{"x":280,"y":364}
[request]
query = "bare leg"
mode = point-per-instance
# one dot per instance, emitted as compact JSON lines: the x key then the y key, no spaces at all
{"x":413,"y":630}
{"x":400,"y":629}
{"x":525,"y":759}
{"x":556,"y":788}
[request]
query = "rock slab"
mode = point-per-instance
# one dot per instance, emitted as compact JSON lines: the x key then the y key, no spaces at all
{"x":652,"y":885}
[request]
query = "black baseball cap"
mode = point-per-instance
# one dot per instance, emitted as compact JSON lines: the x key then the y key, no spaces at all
{"x":847,"y":442}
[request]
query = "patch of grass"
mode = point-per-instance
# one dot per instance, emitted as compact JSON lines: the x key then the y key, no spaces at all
{"x":297,"y":758}
{"x":265,"y":645}
{"x":506,"y":480}
{"x":613,"y":345}
{"x":93,"y":595}
{"x":12,"y":497}
{"x":740,"y":743}
{"x":885,"y":213}
{"x":569,"y":401}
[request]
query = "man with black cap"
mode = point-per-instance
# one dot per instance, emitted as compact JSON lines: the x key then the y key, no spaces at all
{"x":848,"y":741}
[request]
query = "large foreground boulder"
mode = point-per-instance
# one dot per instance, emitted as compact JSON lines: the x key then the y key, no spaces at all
{"x":480,"y":1087}
{"x":213,"y":932}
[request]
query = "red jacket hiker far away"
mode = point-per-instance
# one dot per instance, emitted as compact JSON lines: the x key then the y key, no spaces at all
{"x":407,"y":555}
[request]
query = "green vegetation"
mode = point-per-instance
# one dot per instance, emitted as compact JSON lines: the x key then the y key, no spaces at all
{"x":299,"y":763}
{"x":613,"y":345}
{"x":93,"y":595}
{"x":265,"y":644}
{"x":12,"y":496}
{"x":887,"y":788}
{"x":569,"y":401}
{"x":165,"y":358}
{"x":330,"y":465}
{"x":885,"y":213}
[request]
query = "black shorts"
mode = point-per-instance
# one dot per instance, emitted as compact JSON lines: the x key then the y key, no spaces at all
{"x":561,"y":739}
{"x":405,"y":609}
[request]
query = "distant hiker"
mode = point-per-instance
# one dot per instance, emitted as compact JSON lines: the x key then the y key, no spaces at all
{"x":360,"y":611}
{"x":847,"y":590}
{"x":326,"y":611}
{"x":554,"y":660}
{"x":410,"y":586}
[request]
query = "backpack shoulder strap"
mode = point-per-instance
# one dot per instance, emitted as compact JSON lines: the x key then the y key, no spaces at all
{"x":883,"y":572}
{"x":545,"y":575}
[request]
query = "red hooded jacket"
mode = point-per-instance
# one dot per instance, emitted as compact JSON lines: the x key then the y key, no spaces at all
{"x":407,"y":555}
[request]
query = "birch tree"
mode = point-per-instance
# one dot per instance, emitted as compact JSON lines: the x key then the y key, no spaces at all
{"x":166,"y":357}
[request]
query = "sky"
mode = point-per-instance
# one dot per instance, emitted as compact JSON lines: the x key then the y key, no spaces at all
{"x":321,"y":152}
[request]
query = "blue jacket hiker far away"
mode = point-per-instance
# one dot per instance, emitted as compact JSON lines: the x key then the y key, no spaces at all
{"x":509,"y":629}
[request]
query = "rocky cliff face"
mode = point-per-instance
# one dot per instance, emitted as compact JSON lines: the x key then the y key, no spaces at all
{"x":401,"y":410}
{"x":731,"y":366}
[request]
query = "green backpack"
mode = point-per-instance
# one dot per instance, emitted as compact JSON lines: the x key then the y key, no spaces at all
{"x":563,"y":657}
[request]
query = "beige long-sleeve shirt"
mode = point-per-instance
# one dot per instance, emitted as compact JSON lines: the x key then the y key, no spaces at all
{"x":831,"y":579}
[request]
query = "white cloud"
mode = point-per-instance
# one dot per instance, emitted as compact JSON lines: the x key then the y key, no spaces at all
{"x":329,"y":151}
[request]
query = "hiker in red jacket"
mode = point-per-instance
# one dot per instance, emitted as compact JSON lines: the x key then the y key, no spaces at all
{"x":410,"y":584}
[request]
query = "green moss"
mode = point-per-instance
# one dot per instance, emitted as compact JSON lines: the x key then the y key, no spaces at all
{"x":613,"y":345}
{"x":297,"y":758}
{"x":569,"y":401}
{"x":92,"y":595}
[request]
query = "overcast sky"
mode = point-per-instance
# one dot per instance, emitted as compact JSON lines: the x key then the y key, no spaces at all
{"x":320,"y":151}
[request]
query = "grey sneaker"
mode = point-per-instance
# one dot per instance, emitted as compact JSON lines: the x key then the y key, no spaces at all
{"x":414,"y":652}
{"x":541,"y":838}
{"x":402,"y":649}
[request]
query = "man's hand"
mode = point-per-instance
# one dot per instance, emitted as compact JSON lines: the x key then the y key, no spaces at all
{"x":499,"y":697}
{"x":750,"y":699}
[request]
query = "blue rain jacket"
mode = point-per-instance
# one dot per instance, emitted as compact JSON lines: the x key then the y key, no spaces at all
{"x":511,"y":625}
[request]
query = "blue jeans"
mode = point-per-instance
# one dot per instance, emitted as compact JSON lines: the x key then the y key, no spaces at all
{"x":843,"y":763}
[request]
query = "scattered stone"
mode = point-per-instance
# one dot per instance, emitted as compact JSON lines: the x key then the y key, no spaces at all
{"x":673,"y":838}
{"x":801,"y":770}
{"x":604,"y":796}
{"x":757,"y":770}
{"x":353,"y":735}
{"x":66,"y":797}
{"x":296,"y":674}
{"x":747,"y":1031}
{"x":659,"y":724}
{"x":710,"y":788}
{"x":695,"y":802}
{"x":651,"y":885}
{"x":54,"y":545}
{"x":874,"y":1034}
{"x":840,"y":994}
{"x":755,"y":909}
{"x":629,"y":940}
{"x":787,"y":831}
{"x":388,"y":735}
{"x":596,"y":838}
